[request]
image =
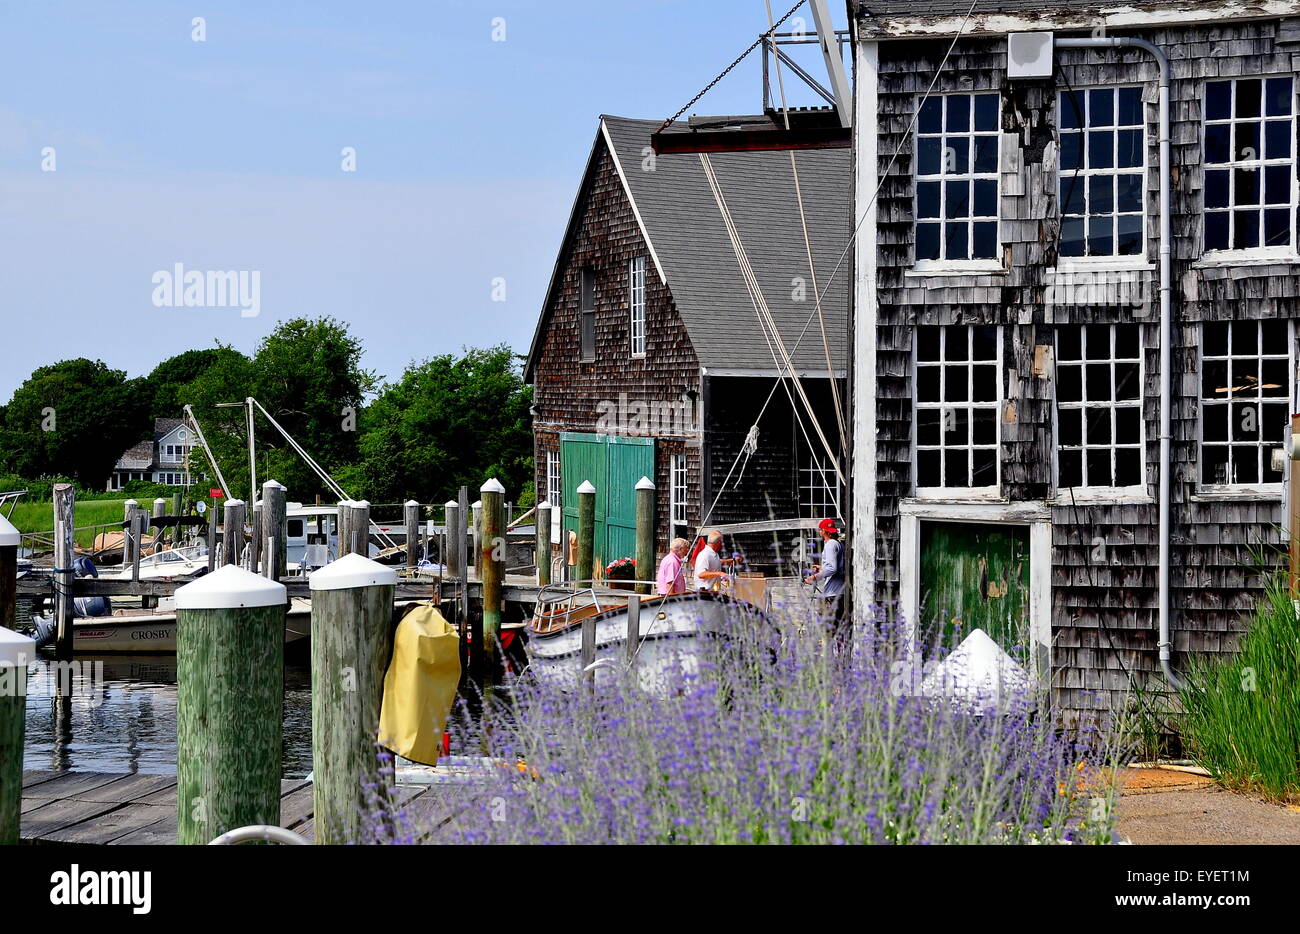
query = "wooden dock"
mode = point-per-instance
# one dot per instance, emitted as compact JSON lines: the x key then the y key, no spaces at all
{"x":140,"y":810}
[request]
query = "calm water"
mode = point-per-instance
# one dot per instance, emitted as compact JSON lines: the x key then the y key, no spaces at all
{"x":122,"y":717}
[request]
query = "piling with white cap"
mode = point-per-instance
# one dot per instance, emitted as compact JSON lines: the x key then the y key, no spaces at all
{"x":16,"y":653}
{"x":476,"y":510}
{"x":229,"y":702}
{"x":354,"y":527}
{"x":414,"y":540}
{"x":645,"y":534}
{"x":351,"y":644}
{"x":585,"y":569}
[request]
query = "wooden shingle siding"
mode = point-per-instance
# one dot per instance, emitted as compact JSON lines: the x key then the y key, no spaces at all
{"x":568,"y":393}
{"x":1104,"y":573}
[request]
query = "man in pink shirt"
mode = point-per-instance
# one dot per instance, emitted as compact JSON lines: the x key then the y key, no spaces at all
{"x":671,"y":577}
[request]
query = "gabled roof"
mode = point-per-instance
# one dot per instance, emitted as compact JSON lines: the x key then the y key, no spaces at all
{"x":165,"y":426}
{"x":690,"y":247}
{"x":137,"y":457}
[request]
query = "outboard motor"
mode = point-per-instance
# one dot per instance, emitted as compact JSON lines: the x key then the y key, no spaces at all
{"x":89,"y":606}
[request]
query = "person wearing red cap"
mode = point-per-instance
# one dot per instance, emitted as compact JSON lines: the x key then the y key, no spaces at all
{"x":831,"y":570}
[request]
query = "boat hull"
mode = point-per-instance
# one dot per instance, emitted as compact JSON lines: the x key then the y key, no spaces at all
{"x":671,"y":633}
{"x":155,"y":633}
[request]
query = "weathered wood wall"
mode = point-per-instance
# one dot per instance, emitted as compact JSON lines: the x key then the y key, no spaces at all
{"x":1104,"y":618}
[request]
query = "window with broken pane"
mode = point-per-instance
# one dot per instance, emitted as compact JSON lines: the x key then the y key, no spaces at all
{"x":958,"y":394}
{"x":1246,"y":371}
{"x":1102,"y":164}
{"x":1249,"y":163}
{"x":1099,"y":406}
{"x":957,"y":177}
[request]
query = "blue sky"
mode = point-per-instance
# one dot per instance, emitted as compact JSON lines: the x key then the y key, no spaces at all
{"x":226,"y":154}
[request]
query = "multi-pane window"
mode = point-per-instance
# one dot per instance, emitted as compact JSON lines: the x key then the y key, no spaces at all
{"x":957,"y":177}
{"x":1099,"y":406}
{"x":1101,"y":174}
{"x":818,"y":489}
{"x":554,"y":493}
{"x":587,"y":314}
{"x":677,"y":489}
{"x":1249,"y":166}
{"x":958,"y":393}
{"x":1245,"y":400}
{"x":636,"y":300}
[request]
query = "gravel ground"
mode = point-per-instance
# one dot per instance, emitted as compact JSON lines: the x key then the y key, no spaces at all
{"x":1161,"y":807}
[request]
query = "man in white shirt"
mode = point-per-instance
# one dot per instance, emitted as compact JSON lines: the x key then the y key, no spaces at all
{"x":709,"y":562}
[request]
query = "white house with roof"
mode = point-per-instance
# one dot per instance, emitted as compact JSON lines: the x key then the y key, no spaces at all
{"x":165,"y":459}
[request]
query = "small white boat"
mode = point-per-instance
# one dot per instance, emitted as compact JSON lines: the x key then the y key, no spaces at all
{"x":669,"y":631}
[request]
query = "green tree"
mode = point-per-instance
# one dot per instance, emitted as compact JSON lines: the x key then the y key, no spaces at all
{"x":170,"y":378}
{"x":73,"y":418}
{"x":449,"y":421}
{"x":227,"y":379}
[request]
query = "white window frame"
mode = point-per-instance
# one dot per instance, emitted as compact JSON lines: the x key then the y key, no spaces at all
{"x":943,"y":263}
{"x":1115,"y":259}
{"x":677,"y":480}
{"x":819,"y":489}
{"x":1260,"y":488}
{"x":637,"y":305}
{"x":946,"y":492}
{"x":1093,"y":492}
{"x":1292,"y":250}
{"x":554,"y":492}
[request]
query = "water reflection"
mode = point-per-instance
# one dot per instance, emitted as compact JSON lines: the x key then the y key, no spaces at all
{"x":120,"y":716}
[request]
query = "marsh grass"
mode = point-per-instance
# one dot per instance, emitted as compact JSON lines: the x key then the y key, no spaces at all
{"x":774,"y":738}
{"x":1242,"y":714}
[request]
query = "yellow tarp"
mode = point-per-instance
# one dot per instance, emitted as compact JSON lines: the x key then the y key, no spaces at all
{"x":420,"y":685}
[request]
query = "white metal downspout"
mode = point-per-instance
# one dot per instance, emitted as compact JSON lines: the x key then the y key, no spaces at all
{"x":1166,"y":322}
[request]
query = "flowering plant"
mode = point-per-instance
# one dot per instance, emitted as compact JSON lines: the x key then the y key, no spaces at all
{"x":624,"y":569}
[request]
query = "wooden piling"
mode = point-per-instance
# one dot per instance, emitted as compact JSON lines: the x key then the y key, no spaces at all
{"x":455,"y":524}
{"x":1293,"y":508}
{"x":492,"y":571}
{"x":355,"y":530}
{"x":645,"y":534}
{"x":585,"y":570}
{"x":229,"y":702}
{"x":139,"y":528}
{"x":128,"y":532}
{"x":588,"y":652}
{"x":232,"y":532}
{"x":256,"y":538}
{"x":543,"y":543}
{"x":16,"y":652}
{"x":274,"y":526}
{"x":414,"y":540}
{"x":65,"y":507}
{"x":351,"y":644}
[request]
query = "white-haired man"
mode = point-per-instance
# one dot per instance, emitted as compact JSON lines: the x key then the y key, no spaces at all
{"x":709,"y":563}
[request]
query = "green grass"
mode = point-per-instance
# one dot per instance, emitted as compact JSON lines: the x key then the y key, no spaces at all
{"x":39,"y":517}
{"x":1240,"y":718}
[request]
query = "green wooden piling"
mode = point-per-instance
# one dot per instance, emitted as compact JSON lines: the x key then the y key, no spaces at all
{"x":229,"y":703}
{"x":351,"y":644}
{"x":16,"y":652}
{"x":543,"y":543}
{"x":492,"y":570}
{"x":645,"y":534}
{"x":585,"y":570}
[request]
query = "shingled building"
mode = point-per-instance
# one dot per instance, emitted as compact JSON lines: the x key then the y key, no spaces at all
{"x":653,"y":357}
{"x":1014,"y":359}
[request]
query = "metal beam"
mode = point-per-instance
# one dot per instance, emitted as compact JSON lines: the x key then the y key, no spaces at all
{"x":834,"y":63}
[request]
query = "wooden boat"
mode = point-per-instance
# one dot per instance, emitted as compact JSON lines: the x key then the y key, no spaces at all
{"x":669,"y":631}
{"x":152,"y":632}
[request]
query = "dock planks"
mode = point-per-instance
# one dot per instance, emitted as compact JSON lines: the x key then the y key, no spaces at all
{"x":138,"y":810}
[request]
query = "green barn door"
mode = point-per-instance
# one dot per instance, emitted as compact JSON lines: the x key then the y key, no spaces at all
{"x":630,"y":459}
{"x":975,"y":576}
{"x":613,"y":465}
